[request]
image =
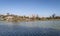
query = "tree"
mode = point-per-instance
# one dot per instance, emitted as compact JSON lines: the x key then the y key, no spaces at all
{"x":53,"y":16}
{"x":37,"y":17}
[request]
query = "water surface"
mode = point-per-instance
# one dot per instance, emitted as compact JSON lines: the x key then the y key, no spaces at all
{"x":37,"y":28}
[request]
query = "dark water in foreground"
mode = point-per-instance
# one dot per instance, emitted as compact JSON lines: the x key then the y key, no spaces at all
{"x":39,"y":28}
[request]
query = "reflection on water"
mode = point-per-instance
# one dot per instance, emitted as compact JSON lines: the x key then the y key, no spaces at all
{"x":37,"y":28}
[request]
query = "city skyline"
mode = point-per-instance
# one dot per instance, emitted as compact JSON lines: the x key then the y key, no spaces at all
{"x":29,"y":7}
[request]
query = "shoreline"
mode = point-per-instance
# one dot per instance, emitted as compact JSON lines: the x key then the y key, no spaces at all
{"x":32,"y":20}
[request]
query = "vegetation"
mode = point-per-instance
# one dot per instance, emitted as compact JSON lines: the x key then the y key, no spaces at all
{"x":16,"y":18}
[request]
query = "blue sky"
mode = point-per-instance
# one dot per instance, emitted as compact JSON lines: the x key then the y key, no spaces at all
{"x":29,"y":7}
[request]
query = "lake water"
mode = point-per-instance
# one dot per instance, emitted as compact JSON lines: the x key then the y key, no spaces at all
{"x":37,"y":28}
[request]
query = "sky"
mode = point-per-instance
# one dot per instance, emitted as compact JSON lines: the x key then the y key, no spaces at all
{"x":43,"y":8}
